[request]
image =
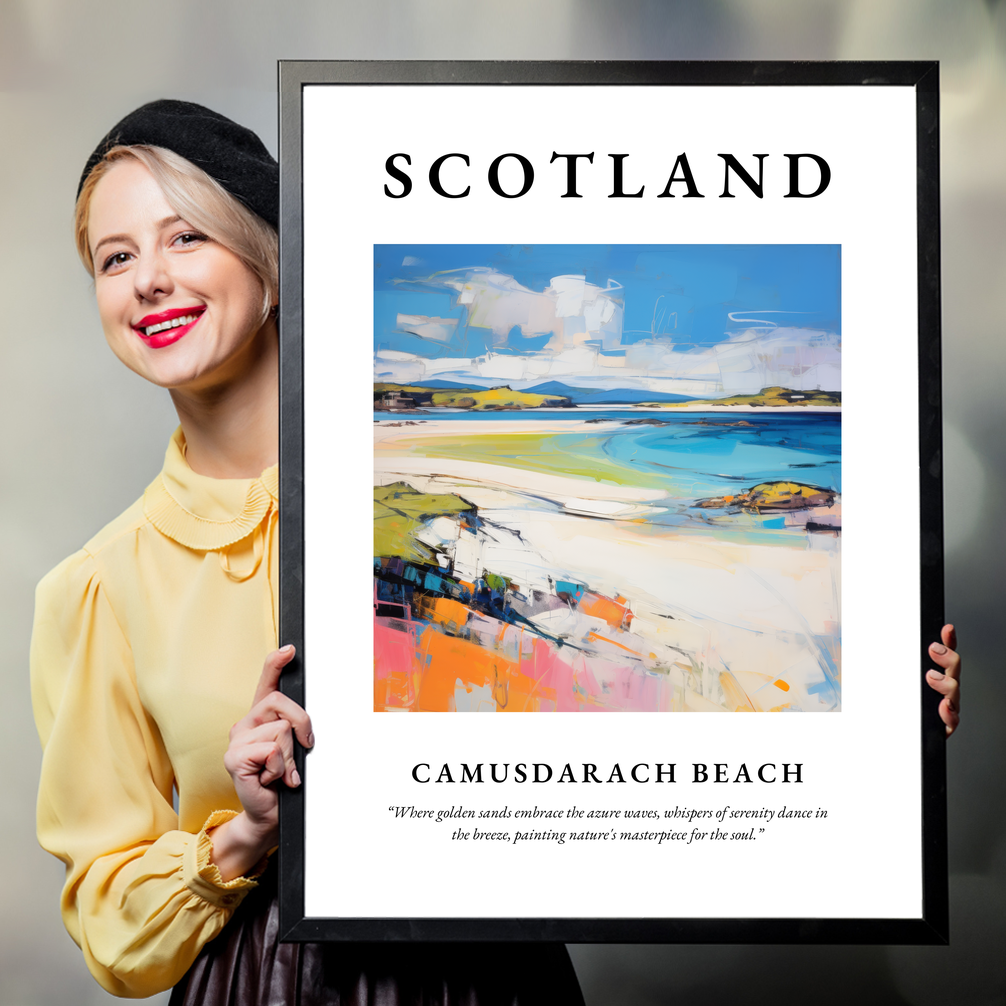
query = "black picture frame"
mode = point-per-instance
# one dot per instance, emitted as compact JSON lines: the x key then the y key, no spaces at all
{"x":932,"y":926}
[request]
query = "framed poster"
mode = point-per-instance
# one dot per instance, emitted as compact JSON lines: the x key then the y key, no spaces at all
{"x":612,"y":389}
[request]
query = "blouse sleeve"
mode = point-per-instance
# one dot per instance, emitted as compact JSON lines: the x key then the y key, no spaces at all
{"x":141,"y":898}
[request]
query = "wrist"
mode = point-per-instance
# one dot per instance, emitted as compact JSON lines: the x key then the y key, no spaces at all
{"x":239,"y":845}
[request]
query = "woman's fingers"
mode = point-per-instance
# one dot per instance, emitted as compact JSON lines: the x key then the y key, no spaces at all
{"x":944,"y":684}
{"x":949,"y":710}
{"x":261,"y":749}
{"x":949,"y":636}
{"x":948,"y":659}
{"x":945,"y":655}
{"x":271,"y":670}
{"x":270,"y":703}
{"x":261,"y":743}
{"x":261,"y":761}
{"x":947,"y":680}
{"x":950,"y":716}
{"x":277,"y":706}
{"x":274,"y":766}
{"x":277,"y":735}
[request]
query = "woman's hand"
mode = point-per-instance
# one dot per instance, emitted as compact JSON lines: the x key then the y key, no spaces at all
{"x":260,"y":753}
{"x":947,"y":682}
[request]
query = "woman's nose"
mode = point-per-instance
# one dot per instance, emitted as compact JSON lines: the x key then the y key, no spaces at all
{"x":152,"y":277}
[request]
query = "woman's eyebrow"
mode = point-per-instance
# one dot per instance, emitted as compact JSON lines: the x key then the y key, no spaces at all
{"x":160,"y":225}
{"x":109,"y":240}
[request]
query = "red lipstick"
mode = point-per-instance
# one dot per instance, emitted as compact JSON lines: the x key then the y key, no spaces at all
{"x":166,"y":327}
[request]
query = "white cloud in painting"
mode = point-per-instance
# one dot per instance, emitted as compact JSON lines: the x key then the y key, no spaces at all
{"x":434,"y":329}
{"x":401,"y":368}
{"x":569,"y":309}
{"x":744,"y":364}
{"x":584,"y":349}
{"x":797,"y":358}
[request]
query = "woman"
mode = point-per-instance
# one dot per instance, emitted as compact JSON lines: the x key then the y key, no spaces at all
{"x":148,"y":643}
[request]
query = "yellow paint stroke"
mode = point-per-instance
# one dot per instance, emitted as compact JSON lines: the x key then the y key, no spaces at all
{"x":735,"y":696}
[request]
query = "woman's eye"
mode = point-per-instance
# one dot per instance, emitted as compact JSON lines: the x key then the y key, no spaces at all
{"x":190,"y":238}
{"x":114,"y":261}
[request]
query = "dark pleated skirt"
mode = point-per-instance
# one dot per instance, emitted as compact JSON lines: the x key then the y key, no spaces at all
{"x":246,"y":965}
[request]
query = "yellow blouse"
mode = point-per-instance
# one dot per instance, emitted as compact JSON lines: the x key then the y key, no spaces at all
{"x":147,"y":647}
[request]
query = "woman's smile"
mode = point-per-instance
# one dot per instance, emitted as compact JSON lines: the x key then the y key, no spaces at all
{"x":166,"y":327}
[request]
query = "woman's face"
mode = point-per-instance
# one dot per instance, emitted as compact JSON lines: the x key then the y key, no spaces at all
{"x":177,"y":308}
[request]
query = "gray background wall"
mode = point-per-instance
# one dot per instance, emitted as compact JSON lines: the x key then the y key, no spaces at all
{"x":81,"y":436}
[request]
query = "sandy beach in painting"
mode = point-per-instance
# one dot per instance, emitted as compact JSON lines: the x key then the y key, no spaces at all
{"x":614,"y":591}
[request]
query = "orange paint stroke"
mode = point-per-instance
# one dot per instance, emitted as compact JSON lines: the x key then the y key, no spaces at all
{"x":621,"y":646}
{"x":424,"y":666}
{"x":615,"y":614}
{"x":452,"y":615}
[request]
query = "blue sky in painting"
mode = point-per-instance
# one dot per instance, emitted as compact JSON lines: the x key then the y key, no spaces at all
{"x":700,"y":319}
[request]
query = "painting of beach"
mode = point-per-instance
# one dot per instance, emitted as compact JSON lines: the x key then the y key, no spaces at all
{"x":607,"y":478}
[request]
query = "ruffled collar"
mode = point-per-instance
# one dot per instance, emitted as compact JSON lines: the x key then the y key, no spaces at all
{"x":203,"y":513}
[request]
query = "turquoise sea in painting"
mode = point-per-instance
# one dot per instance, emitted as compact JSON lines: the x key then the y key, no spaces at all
{"x":706,"y":453}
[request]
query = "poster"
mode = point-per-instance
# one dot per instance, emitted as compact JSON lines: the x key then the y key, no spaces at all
{"x":609,"y":404}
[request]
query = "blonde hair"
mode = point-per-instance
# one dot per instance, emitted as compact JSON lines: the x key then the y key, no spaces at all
{"x":199,"y":200}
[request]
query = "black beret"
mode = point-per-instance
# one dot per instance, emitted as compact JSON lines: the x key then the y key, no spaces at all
{"x":230,"y":154}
